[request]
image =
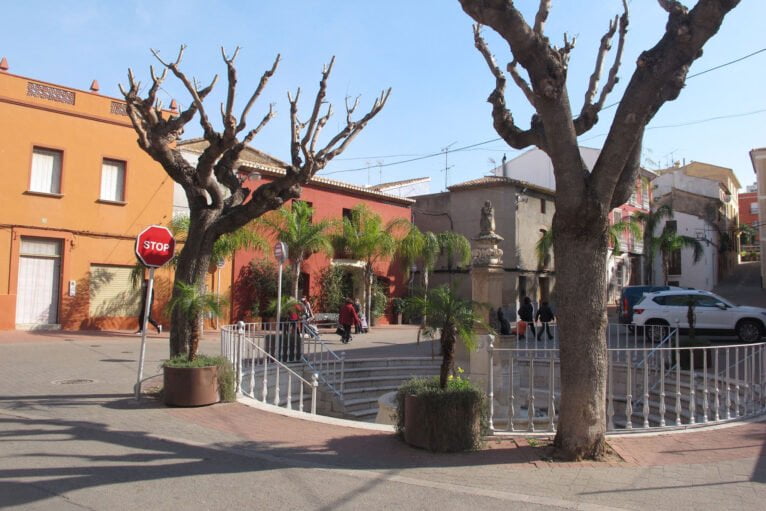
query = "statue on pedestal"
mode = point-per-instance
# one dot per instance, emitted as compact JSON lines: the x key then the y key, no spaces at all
{"x":487,"y":222}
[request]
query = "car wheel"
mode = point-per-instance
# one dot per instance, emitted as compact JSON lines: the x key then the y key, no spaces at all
{"x":749,"y":330}
{"x":655,"y":330}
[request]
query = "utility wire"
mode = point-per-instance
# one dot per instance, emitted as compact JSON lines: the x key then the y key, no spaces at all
{"x":399,"y":162}
{"x":433,"y":155}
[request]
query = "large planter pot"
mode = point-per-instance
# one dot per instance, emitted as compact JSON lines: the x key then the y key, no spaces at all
{"x":191,"y":386}
{"x":424,"y":427}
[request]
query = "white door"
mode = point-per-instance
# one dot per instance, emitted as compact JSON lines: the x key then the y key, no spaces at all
{"x":37,"y":296}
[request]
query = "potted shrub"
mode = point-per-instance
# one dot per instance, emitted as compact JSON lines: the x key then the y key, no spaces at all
{"x":192,"y":380}
{"x":444,"y":414}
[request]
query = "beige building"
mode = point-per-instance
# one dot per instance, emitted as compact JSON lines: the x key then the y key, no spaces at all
{"x":758,"y":157}
{"x":522,"y":213}
{"x":717,"y":190}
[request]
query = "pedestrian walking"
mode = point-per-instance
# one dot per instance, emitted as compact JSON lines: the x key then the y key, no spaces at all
{"x":347,"y":316}
{"x":545,"y":315}
{"x":526,"y":314}
{"x":143,"y":310}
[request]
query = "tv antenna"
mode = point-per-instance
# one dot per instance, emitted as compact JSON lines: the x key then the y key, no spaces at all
{"x":447,"y":166}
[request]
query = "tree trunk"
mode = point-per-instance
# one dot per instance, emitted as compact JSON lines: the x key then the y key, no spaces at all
{"x":193,"y":263}
{"x":448,"y":339}
{"x":580,"y":251}
{"x":297,"y":271}
{"x":368,"y":292}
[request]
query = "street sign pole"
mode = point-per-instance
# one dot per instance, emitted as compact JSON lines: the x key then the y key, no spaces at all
{"x":144,"y":319}
{"x":155,"y":246}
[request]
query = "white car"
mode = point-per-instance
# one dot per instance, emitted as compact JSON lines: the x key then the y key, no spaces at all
{"x":713,"y":315}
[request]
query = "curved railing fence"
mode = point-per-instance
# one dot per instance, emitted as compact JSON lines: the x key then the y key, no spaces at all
{"x":270,"y":360}
{"x":649,"y":387}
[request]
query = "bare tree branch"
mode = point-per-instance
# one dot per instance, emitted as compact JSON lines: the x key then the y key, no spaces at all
{"x":318,"y":100}
{"x":521,"y":83}
{"x":257,"y":93}
{"x":501,"y":115}
{"x":589,"y":113}
{"x":542,"y":15}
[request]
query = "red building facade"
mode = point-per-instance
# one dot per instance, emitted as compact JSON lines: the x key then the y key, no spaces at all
{"x":330,"y":199}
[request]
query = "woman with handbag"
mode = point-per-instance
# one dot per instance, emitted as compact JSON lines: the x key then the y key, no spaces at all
{"x":347,"y":317}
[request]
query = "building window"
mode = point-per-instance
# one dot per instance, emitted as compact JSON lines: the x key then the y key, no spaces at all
{"x":542,"y":206}
{"x":112,"y":181}
{"x":347,"y":213}
{"x":46,"y":171}
{"x":753,"y":208}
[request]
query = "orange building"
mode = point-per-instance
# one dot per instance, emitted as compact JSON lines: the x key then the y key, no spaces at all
{"x":76,"y":190}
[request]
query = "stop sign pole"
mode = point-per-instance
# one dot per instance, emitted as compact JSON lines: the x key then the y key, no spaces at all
{"x":155,"y":246}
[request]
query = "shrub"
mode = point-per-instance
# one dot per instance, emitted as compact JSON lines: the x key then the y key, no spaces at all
{"x":261,"y":279}
{"x":334,"y":289}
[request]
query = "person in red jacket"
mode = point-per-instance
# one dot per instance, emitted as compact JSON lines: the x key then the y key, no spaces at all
{"x":347,"y":317}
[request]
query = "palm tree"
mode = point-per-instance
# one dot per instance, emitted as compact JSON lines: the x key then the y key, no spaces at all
{"x":544,"y":245}
{"x":456,"y":248}
{"x":649,"y":221}
{"x":425,"y":248}
{"x":669,"y":242}
{"x":452,"y":317}
{"x":191,"y":302}
{"x":303,"y":236}
{"x":365,"y":237}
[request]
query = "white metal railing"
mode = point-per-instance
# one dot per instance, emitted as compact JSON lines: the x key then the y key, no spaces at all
{"x":325,"y":363}
{"x":259,"y":356}
{"x":649,"y":387}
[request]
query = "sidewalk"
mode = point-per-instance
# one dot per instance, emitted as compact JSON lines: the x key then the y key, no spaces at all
{"x":71,"y":436}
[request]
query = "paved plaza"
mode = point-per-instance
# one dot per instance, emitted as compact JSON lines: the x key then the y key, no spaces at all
{"x":73,"y":437}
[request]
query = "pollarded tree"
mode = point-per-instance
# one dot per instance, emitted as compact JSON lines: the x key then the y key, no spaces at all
{"x":303,"y":235}
{"x":218,"y":201}
{"x":585,"y":198}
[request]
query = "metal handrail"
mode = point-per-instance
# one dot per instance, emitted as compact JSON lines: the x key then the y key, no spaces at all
{"x":321,"y":359}
{"x":639,"y":374}
{"x":235,"y":352}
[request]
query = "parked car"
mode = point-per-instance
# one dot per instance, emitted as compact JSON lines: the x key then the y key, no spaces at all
{"x":629,"y":297}
{"x":714,"y":315}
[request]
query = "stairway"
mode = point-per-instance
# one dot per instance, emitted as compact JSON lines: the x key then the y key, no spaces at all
{"x":369,"y":378}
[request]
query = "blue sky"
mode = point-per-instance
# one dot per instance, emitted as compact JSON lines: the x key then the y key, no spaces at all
{"x":422,"y":49}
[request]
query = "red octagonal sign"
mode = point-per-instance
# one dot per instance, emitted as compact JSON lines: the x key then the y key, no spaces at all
{"x":155,"y":246}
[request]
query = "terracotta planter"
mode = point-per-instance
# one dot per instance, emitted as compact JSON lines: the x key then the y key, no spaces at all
{"x":191,"y":386}
{"x":417,"y":432}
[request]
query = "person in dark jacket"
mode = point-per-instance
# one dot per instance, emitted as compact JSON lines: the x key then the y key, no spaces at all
{"x":505,"y":325}
{"x":347,"y":317}
{"x":526,"y":314}
{"x":545,"y":315}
